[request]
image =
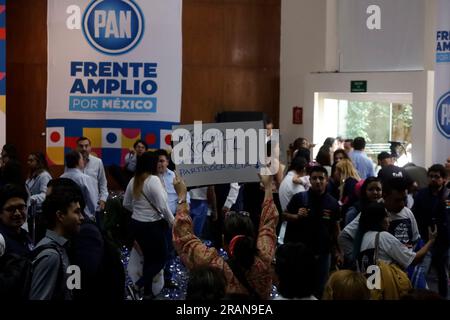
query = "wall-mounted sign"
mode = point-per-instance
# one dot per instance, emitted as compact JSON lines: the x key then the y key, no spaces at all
{"x":358,"y":86}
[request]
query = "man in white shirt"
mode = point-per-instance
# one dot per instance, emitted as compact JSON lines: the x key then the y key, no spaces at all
{"x":294,"y":182}
{"x":139,"y":147}
{"x":93,"y":167}
{"x":166,"y":175}
{"x":74,"y":167}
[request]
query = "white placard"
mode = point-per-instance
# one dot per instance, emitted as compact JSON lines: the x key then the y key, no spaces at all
{"x":226,"y":172}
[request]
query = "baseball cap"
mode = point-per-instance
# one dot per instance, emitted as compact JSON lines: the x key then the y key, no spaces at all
{"x":384,"y":155}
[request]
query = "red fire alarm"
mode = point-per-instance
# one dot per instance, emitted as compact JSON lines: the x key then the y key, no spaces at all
{"x":297,"y":115}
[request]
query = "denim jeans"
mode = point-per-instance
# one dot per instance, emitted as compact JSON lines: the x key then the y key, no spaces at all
{"x":199,"y":213}
{"x":438,"y":258}
{"x":323,"y":263}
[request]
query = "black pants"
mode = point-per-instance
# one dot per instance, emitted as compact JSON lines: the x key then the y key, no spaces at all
{"x":152,"y":238}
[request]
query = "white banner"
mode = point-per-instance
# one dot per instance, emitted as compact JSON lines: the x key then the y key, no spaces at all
{"x":221,"y":144}
{"x":381,"y":35}
{"x":114,"y":73}
{"x":441,"y":129}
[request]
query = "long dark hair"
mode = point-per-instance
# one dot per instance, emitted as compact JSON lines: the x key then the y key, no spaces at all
{"x":324,"y":156}
{"x":329,"y":142}
{"x":298,"y":164}
{"x":371,"y":219}
{"x":146,"y":165}
{"x":206,"y":283}
{"x":41,"y":161}
{"x":364,"y":201}
{"x":240,"y":224}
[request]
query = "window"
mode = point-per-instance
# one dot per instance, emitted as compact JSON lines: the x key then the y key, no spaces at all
{"x":377,"y":122}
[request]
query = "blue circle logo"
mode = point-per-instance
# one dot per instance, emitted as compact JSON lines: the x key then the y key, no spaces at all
{"x":443,"y":115}
{"x":113,"y":26}
{"x":111,"y":137}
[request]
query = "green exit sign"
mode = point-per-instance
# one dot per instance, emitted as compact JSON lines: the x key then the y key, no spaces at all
{"x":359,"y":86}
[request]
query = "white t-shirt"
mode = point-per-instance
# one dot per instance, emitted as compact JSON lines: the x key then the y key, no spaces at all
{"x":142,"y":210}
{"x":390,"y":249}
{"x":402,"y":226}
{"x":288,"y":188}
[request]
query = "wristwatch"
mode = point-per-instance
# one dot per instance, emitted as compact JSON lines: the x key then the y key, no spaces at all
{"x":180,"y":201}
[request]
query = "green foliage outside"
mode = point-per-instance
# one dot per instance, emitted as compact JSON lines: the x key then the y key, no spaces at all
{"x":371,"y":120}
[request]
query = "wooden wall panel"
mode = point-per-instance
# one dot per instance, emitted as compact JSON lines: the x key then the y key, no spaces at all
{"x":26,"y":67}
{"x":231,"y":62}
{"x":235,"y":46}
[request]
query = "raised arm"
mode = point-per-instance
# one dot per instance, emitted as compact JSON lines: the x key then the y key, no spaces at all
{"x":191,"y":249}
{"x":268,"y":222}
{"x":432,"y":234}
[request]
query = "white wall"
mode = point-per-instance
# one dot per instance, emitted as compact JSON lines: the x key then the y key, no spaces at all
{"x":303,"y":47}
{"x":419,"y":83}
{"x":309,"y":44}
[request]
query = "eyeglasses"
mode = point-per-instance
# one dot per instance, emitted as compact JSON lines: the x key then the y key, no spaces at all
{"x":434,"y":176}
{"x":12,"y":209}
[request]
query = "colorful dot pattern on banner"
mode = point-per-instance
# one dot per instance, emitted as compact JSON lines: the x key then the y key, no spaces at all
{"x":111,"y":140}
{"x":55,"y":137}
{"x":168,"y":139}
{"x":95,"y":135}
{"x":111,"y":137}
{"x":150,"y":139}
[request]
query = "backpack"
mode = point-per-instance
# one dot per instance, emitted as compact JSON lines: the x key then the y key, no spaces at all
{"x":16,"y":273}
{"x":115,"y":221}
{"x":104,"y":278}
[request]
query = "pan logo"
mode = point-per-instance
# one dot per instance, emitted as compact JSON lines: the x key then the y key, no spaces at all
{"x":443,"y":115}
{"x":113,"y":27}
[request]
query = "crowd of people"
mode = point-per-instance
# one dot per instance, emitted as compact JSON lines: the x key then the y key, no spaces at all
{"x":313,"y":229}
